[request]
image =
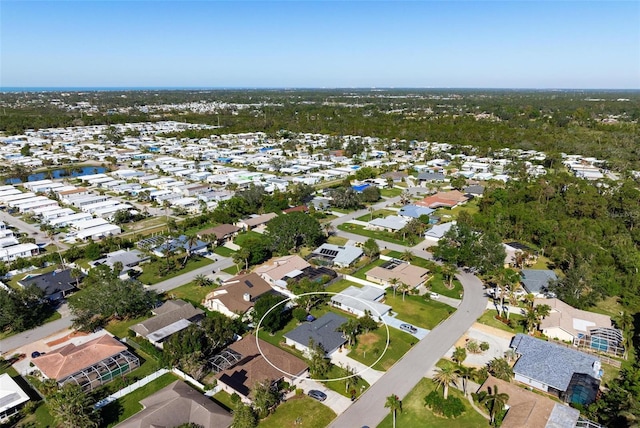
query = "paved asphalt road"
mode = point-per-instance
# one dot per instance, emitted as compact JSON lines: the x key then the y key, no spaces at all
{"x":46,"y":330}
{"x":406,"y":373}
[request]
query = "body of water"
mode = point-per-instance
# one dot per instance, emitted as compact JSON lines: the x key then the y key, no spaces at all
{"x":60,"y":173}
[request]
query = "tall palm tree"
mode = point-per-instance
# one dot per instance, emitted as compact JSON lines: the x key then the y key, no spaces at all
{"x":494,"y":401}
{"x":403,"y":288}
{"x":371,"y":210}
{"x":466,"y":373}
{"x":240,"y":256}
{"x":406,"y":256}
{"x":448,"y":272}
{"x":201,"y":281}
{"x":76,"y":274}
{"x":459,"y":354}
{"x":445,"y":376}
{"x":394,"y":404}
{"x":624,"y":322}
{"x":394,"y":283}
{"x":192,"y":241}
{"x":500,"y":368}
{"x":328,"y":228}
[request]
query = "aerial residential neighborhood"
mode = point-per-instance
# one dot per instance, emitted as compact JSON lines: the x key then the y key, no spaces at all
{"x":215,"y":281}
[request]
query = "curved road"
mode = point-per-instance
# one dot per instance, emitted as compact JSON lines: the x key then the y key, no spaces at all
{"x":406,"y":373}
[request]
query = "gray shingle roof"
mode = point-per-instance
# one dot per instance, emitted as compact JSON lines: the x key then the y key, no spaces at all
{"x":549,"y":363}
{"x":343,"y":255}
{"x":322,"y":331}
{"x":536,"y":280}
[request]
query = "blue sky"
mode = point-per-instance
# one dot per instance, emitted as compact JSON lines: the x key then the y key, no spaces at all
{"x":496,"y":44}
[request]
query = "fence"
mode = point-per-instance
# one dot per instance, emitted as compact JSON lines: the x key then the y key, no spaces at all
{"x":128,"y":389}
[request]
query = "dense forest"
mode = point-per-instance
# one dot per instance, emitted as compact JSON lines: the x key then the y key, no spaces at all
{"x":597,"y":123}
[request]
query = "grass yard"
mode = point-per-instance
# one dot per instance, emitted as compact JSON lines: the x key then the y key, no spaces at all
{"x":121,"y":328}
{"x":127,"y":406}
{"x":339,"y":386}
{"x":231,"y":270}
{"x":414,"y":414}
{"x":376,"y":214}
{"x":242,"y":237}
{"x":299,"y":412}
{"x":418,"y":261}
{"x":437,"y":284}
{"x":151,"y":275}
{"x":488,"y":318}
{"x":609,"y":306}
{"x":417,"y":310}
{"x":361,"y":273}
{"x":192,"y":293}
{"x":470,"y":207}
{"x":391,"y":193}
{"x":542,"y":263}
{"x":337,"y":240}
{"x":224,"y":399}
{"x":341,"y":285}
{"x":375,"y":234}
{"x":224,"y":251}
{"x":371,"y":345}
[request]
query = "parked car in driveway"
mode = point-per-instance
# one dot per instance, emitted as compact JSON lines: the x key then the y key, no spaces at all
{"x":434,"y":296}
{"x":318,"y":395}
{"x":408,"y":328}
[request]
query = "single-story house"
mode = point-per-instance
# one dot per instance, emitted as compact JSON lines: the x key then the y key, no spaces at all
{"x":223,"y":233}
{"x":443,"y":200}
{"x":239,"y":367}
{"x":360,"y":300}
{"x":128,"y":258}
{"x":322,"y":331}
{"x":236,"y":296}
{"x":569,"y":324}
{"x":176,"y":405}
{"x":536,"y":281}
{"x":258,"y":222}
{"x":438,"y":231}
{"x":390,"y":223}
{"x":432,"y":177}
{"x":474,"y":190}
{"x":173,"y":316}
{"x":180,"y":243}
{"x":403,"y":272}
{"x":279,"y":270}
{"x":531,"y":410}
{"x":414,"y":211}
{"x":571,"y":375}
{"x":89,"y":365}
{"x":12,"y":397}
{"x":338,"y":255}
{"x":57,"y":284}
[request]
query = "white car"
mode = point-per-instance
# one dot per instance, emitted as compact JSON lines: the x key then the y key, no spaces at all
{"x":434,"y":296}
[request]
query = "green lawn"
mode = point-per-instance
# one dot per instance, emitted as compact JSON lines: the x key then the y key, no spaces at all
{"x":376,"y":214}
{"x":192,"y":293}
{"x":151,"y":274}
{"x":121,"y":328}
{"x":391,"y":193}
{"x":127,"y":406}
{"x":340,"y":386}
{"x":376,"y":234}
{"x":242,"y":237}
{"x":341,"y":285}
{"x":299,"y":412}
{"x":337,"y":240}
{"x":488,"y":318}
{"x":224,"y":251}
{"x":232,"y":270}
{"x":224,"y":399}
{"x":371,"y":345}
{"x":437,"y":284}
{"x":470,"y":207}
{"x":415,"y":414}
{"x":417,"y":310}
{"x":361,"y":273}
{"x":609,"y":306}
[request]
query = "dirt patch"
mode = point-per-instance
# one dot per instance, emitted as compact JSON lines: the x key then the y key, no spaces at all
{"x":493,"y":331}
{"x":367,"y":339}
{"x":65,"y":338}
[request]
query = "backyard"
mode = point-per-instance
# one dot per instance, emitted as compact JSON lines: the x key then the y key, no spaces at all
{"x":375,"y":234}
{"x":299,"y":411}
{"x":151,"y":274}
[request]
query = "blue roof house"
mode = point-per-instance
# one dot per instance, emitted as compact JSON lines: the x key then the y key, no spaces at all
{"x":322,"y":331}
{"x":571,"y":375}
{"x":536,"y":281}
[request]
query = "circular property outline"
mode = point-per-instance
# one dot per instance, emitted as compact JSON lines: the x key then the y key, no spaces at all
{"x":293,"y":376}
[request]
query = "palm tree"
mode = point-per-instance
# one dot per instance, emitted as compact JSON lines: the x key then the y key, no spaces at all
{"x":406,"y":256}
{"x":328,"y":228}
{"x":72,"y":407}
{"x":448,"y":272}
{"x":500,"y":368}
{"x":192,"y":241}
{"x":403,"y":288}
{"x":394,"y":404}
{"x":466,"y":373}
{"x":459,"y":354}
{"x":405,"y":197}
{"x":394,"y":283}
{"x":201,"y":281}
{"x":494,"y":401}
{"x":371,"y":210}
{"x":444,"y":376}
{"x":349,"y":330}
{"x":242,"y":255}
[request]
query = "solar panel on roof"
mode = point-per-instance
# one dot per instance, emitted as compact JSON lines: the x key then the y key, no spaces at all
{"x":328,"y":252}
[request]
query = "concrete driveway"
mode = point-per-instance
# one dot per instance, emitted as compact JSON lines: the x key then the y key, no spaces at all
{"x":394,"y":322}
{"x":336,"y":402}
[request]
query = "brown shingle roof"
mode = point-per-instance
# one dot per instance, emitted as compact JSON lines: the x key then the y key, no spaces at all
{"x":231,"y":293}
{"x":276,"y":269}
{"x":261,"y":219}
{"x":254,"y":368}
{"x":175,"y":405}
{"x":409,"y":274}
{"x":219,"y":231}
{"x":71,"y":359}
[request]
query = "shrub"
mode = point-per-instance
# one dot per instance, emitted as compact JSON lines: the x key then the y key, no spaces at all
{"x":300,"y":314}
{"x":473,"y":347}
{"x":484,"y":346}
{"x":452,"y":407}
